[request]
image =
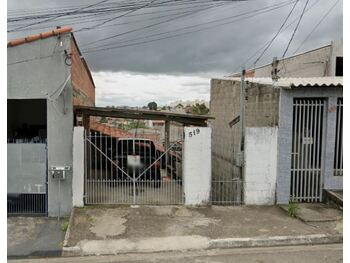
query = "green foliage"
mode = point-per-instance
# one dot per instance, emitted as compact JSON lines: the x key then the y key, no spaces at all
{"x":152,"y":105}
{"x":64,"y":226}
{"x":292,"y":207}
{"x":199,"y":109}
{"x":103,"y":120}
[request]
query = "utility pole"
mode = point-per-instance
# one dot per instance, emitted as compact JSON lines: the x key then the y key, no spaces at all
{"x":242,"y":128}
{"x":274,"y":71}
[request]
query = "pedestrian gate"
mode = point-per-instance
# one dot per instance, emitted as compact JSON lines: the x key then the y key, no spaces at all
{"x":307,"y":147}
{"x":132,"y":171}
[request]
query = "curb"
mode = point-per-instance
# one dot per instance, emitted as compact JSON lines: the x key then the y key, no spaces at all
{"x":275,"y":241}
{"x":67,"y":235}
{"x":285,"y":209}
{"x":250,"y":242}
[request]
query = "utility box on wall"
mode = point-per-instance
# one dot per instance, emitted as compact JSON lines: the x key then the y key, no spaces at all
{"x":197,"y":165}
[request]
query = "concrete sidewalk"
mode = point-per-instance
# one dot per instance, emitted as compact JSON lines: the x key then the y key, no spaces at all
{"x":34,"y":237}
{"x":126,"y":229}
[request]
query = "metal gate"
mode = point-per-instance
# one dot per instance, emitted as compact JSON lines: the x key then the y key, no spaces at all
{"x":307,"y":146}
{"x":26,"y":179}
{"x":338,"y":150}
{"x":132,"y":171}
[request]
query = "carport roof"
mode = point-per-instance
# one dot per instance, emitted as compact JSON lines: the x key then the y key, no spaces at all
{"x":186,"y":119}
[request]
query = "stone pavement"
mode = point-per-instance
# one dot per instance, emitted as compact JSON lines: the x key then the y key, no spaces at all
{"x":34,"y":236}
{"x":122,"y":229}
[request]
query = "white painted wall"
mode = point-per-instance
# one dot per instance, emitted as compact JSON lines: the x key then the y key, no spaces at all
{"x":260,"y":171}
{"x":78,"y":167}
{"x":197,"y":165}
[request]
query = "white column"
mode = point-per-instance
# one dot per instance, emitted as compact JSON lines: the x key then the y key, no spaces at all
{"x":197,"y":165}
{"x":78,"y":167}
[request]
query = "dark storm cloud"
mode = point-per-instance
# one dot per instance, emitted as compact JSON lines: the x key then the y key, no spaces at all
{"x":179,"y":69}
{"x":222,"y":49}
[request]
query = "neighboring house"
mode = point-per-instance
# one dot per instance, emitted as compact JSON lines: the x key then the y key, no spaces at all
{"x":248,"y":170}
{"x":320,"y":62}
{"x":47,"y":76}
{"x":292,"y":143}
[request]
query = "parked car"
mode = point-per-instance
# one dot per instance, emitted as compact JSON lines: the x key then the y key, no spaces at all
{"x":137,"y":157}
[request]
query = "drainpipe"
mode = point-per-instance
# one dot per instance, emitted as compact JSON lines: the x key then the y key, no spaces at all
{"x":242,"y":128}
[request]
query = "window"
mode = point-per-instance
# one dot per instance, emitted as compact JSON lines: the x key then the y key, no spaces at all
{"x":339,"y":66}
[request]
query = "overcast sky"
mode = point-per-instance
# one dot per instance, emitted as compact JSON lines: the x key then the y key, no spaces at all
{"x":180,"y":67}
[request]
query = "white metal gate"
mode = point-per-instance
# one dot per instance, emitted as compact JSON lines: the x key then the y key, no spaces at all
{"x":132,"y":171}
{"x":307,"y":147}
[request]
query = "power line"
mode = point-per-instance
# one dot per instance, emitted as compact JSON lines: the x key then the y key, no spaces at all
{"x":165,"y":21}
{"x":176,"y":35}
{"x":316,"y":26}
{"x":277,"y":33}
{"x":167,"y":14}
{"x":162,"y":33}
{"x":261,"y":48}
{"x":50,"y":19}
{"x":114,"y":18}
{"x":295,"y":29}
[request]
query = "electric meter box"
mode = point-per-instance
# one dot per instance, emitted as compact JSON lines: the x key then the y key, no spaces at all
{"x":59,"y":172}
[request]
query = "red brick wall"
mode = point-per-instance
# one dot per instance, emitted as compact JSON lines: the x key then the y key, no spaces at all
{"x":83,"y":87}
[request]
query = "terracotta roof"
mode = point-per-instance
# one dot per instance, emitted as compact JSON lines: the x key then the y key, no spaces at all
{"x":35,"y":37}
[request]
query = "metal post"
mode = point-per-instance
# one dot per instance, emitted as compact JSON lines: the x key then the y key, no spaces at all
{"x":59,"y":199}
{"x":242,"y":122}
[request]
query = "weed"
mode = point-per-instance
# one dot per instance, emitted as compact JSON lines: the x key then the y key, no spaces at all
{"x":292,"y":207}
{"x":64,"y":226}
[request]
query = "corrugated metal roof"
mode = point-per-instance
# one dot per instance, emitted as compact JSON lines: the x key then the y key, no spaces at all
{"x":295,"y":82}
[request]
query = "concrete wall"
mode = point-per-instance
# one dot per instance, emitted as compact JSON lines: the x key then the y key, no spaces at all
{"x":314,"y":63}
{"x":78,"y":167}
{"x":197,"y":165}
{"x":38,"y":70}
{"x":260,"y":171}
{"x":261,"y":105}
{"x":260,"y":144}
{"x":26,"y":168}
{"x":285,"y":138}
{"x":224,"y":107}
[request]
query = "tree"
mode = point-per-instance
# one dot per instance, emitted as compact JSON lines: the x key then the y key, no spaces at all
{"x":199,"y":109}
{"x":152,"y":105}
{"x":103,"y":120}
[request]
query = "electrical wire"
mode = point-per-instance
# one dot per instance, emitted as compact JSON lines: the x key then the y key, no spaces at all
{"x":244,"y":64}
{"x":277,"y":33}
{"x":114,"y":18}
{"x":180,"y":34}
{"x":295,"y":29}
{"x":171,"y":19}
{"x":316,"y":26}
{"x":52,"y":18}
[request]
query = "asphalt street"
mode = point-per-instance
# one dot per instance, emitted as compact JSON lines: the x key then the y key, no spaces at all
{"x":299,"y":254}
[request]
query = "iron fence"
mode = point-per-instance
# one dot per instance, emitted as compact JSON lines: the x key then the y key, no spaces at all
{"x":226,"y":191}
{"x":27,"y":204}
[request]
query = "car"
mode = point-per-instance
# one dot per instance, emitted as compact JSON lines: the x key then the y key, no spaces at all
{"x":137,"y":158}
